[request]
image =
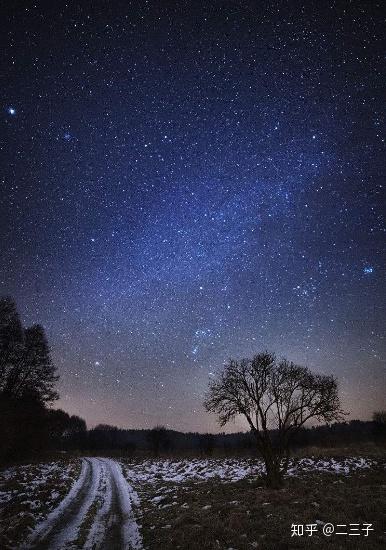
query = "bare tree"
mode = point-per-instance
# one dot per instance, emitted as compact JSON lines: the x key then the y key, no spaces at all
{"x":276,"y":398}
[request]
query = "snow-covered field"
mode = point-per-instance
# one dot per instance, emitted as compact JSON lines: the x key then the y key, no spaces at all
{"x":221,"y":504}
{"x":159,"y":482}
{"x":28,"y":493}
{"x":93,"y":502}
{"x":231,"y":470}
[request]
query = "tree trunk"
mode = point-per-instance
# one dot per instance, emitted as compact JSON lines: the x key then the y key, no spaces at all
{"x":274,"y":475}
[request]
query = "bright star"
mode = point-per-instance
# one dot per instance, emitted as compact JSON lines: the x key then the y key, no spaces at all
{"x":368,"y":269}
{"x":11,"y":110}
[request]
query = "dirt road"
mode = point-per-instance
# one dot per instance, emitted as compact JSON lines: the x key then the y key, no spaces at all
{"x":96,"y":514}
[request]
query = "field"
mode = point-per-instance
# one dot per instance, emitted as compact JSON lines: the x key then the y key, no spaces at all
{"x":192,"y":507}
{"x":193,"y":503}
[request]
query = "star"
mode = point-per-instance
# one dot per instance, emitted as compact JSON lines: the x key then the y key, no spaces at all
{"x":171,"y":208}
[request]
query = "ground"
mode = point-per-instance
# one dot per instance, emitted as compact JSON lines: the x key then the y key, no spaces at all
{"x":192,"y":504}
{"x":246,"y":515}
{"x":96,"y":510}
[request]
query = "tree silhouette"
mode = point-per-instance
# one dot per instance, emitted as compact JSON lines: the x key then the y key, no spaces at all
{"x":276,"y":398}
{"x":26,"y":368}
{"x":11,"y":344}
{"x":27,"y":380}
{"x":379,"y":429}
{"x":158,"y":440}
{"x":39,"y":374}
{"x":379,"y":417}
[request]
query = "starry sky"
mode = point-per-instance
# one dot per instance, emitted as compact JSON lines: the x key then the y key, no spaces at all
{"x":183,"y":182}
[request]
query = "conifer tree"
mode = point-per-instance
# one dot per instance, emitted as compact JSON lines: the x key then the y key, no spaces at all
{"x":26,"y":368}
{"x":11,"y":343}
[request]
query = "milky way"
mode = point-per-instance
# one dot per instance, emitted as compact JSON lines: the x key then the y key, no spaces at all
{"x":184,"y":182}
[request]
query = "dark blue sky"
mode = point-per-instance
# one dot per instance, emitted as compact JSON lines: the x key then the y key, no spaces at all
{"x":184,"y":182}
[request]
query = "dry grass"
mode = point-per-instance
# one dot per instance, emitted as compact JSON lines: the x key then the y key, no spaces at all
{"x":369,"y":450}
{"x":212,"y":514}
{"x":245,"y":515}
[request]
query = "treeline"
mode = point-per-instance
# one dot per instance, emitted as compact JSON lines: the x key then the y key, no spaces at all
{"x":49,"y":430}
{"x":28,"y":430}
{"x":29,"y":426}
{"x":161,"y":441}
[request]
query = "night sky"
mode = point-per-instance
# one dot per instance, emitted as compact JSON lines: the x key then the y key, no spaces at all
{"x":184,"y":182}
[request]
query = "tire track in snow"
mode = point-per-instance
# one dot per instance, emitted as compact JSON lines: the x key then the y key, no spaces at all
{"x":113,"y":525}
{"x":125,"y":496}
{"x":97,"y":531}
{"x":61,"y":527}
{"x":43,"y":530}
